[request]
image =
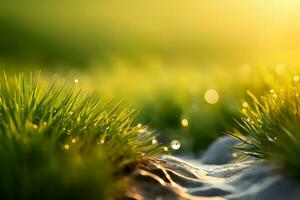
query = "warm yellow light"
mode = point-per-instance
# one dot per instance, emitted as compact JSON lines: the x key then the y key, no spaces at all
{"x":184,"y":122}
{"x":34,"y":126}
{"x":73,"y":140}
{"x":67,"y":146}
{"x":296,"y":78}
{"x":211,"y":96}
{"x":76,"y":80}
{"x":280,"y":69}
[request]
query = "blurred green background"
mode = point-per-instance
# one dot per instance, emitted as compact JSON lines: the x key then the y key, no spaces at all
{"x":185,"y":65}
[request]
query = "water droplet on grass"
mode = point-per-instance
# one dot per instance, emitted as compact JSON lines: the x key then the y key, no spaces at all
{"x":175,"y":144}
{"x":154,"y":141}
{"x":67,"y":146}
{"x":184,"y":122}
{"x":211,"y":96}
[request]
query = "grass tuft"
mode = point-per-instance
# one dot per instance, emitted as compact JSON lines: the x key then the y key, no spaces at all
{"x":57,"y":142}
{"x":270,"y":128}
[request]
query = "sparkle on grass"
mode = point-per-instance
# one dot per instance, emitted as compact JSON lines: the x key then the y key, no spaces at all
{"x":280,"y":69}
{"x":139,"y":125}
{"x":245,"y":104}
{"x":184,"y":122}
{"x":166,"y":148}
{"x":154,"y":141}
{"x":175,"y":144}
{"x":142,"y":130}
{"x":67,"y":146}
{"x":296,"y":78}
{"x":73,"y":140}
{"x":211,"y":96}
{"x":76,"y":80}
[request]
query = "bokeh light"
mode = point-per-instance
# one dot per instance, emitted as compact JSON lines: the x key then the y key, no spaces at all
{"x":184,"y":122}
{"x":211,"y":96}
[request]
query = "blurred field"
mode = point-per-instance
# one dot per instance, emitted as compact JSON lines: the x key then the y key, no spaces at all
{"x":207,"y":31}
{"x":161,"y":57}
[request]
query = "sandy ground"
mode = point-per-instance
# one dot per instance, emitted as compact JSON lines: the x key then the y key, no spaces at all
{"x":214,"y":175}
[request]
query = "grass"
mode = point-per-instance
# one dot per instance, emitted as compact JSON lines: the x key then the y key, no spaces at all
{"x":269,"y":128}
{"x":57,"y":142}
{"x":165,"y":96}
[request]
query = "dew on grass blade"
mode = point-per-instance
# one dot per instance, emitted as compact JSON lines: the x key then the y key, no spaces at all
{"x":245,"y":104}
{"x":175,"y":144}
{"x":184,"y":122}
{"x":154,"y":141}
{"x":142,"y":130}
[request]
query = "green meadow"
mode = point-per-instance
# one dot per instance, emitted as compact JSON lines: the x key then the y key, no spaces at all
{"x":112,"y":84}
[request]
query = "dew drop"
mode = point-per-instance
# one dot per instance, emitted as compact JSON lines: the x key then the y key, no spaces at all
{"x":154,"y":141}
{"x":67,"y":146}
{"x":245,"y":104}
{"x":184,"y":122}
{"x":175,"y":144}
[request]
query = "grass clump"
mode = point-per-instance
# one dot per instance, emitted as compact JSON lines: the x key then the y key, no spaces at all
{"x":58,"y":143}
{"x":270,"y":128}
